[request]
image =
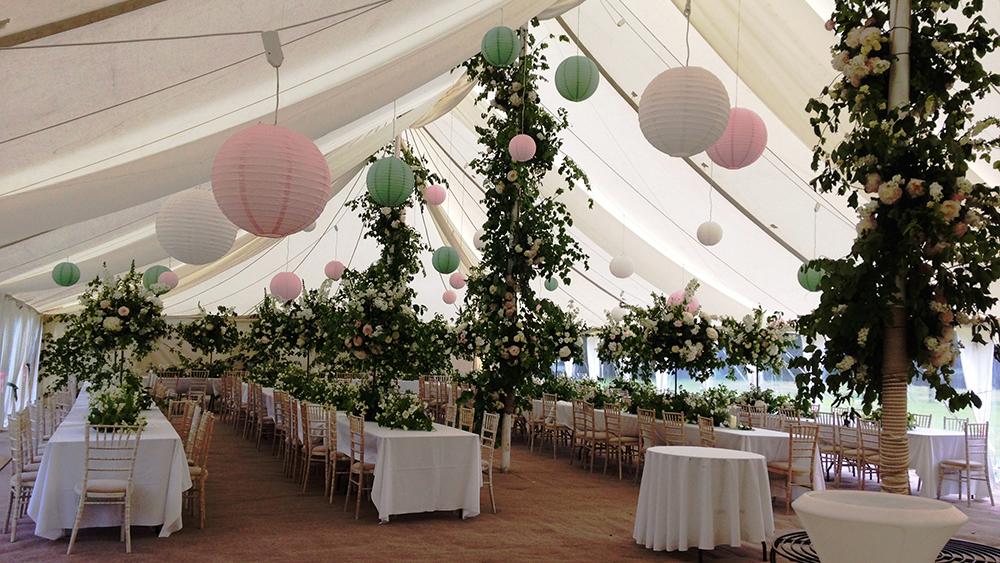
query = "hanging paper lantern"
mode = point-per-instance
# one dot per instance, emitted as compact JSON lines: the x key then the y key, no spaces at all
{"x":577,"y":78}
{"x":190,"y":228}
{"x":683,"y":111}
{"x":500,"y":46}
{"x":309,"y":228}
{"x":390,"y":181}
{"x":709,"y":233}
{"x":435,"y":194}
{"x":742,"y":142}
{"x":270,"y":180}
{"x":551,"y":284}
{"x":457,"y":280}
{"x":334,"y":269}
{"x":169,"y":279}
{"x":477,"y":239}
{"x":810,"y":277}
{"x":445,"y":260}
{"x":618,"y":313}
{"x":449,"y":297}
{"x":621,"y":266}
{"x":521,"y":147}
{"x":66,"y":274}
{"x":152,"y":275}
{"x":286,"y":286}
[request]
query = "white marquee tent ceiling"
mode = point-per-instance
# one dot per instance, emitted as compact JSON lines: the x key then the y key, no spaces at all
{"x":93,"y":137}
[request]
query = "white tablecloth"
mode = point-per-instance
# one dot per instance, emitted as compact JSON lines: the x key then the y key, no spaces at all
{"x":161,"y":475}
{"x":181,"y":384}
{"x":419,"y":471}
{"x":702,"y":497}
{"x":928,"y":446}
{"x":564,"y":415}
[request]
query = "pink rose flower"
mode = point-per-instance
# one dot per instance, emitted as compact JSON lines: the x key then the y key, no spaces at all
{"x":829,"y":24}
{"x":105,"y":304}
{"x":367,"y":330}
{"x":960,"y":229}
{"x":915,"y":188}
{"x":872,"y":182}
{"x":123,"y":311}
{"x":946,"y":317}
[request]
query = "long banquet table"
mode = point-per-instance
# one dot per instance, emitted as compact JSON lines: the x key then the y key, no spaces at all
{"x":161,"y":476}
{"x":771,"y":444}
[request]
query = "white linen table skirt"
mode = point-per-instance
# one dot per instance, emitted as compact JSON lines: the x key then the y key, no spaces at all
{"x":928,"y":446}
{"x":417,"y":471}
{"x":161,"y":476}
{"x":702,"y":497}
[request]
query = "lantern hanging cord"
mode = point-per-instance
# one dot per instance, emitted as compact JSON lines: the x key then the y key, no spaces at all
{"x":277,"y":91}
{"x":815,"y":224}
{"x":739,"y":32}
{"x":687,"y":33}
{"x":524,"y":74}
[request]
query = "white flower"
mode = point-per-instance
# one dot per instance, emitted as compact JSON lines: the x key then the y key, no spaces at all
{"x":564,"y":352}
{"x":112,"y":324}
{"x":846,"y":363}
{"x":936,"y":190}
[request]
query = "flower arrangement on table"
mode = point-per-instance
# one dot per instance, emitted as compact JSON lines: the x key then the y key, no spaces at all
{"x":118,"y":400}
{"x":211,"y":334}
{"x":774,"y":401}
{"x":757,"y":340}
{"x":402,"y":410}
{"x":318,"y":388}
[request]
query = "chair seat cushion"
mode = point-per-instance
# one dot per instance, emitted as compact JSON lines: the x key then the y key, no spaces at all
{"x":197,"y":471}
{"x":961,"y":463}
{"x":103,"y":488}
{"x":782,"y":466}
{"x":356,"y":467}
{"x":598,"y":435}
{"x":340,"y":455}
{"x":628,"y":439}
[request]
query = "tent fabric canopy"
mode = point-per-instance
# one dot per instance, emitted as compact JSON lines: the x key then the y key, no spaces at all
{"x":84,"y":174}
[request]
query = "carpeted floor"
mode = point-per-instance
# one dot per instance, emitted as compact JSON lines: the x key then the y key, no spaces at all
{"x":548,"y":511}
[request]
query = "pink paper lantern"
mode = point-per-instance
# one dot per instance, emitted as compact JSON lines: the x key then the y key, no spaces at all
{"x":286,"y":286}
{"x":334,"y":269}
{"x":449,"y":297}
{"x":169,"y":279}
{"x":742,"y":142}
{"x":270,"y":181}
{"x":522,"y":148}
{"x":457,"y":280}
{"x":435,"y":194}
{"x":676,"y":297}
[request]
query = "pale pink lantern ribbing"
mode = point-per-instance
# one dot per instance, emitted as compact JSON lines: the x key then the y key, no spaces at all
{"x":457,"y":280}
{"x":449,"y":297}
{"x":435,"y":194}
{"x":742,"y":142}
{"x":522,"y":148}
{"x":169,"y":279}
{"x":270,"y":180}
{"x":286,"y":286}
{"x":334,"y":269}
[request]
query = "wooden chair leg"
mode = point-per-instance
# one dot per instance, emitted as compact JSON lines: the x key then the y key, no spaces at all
{"x":361,"y":487}
{"x":201,"y":503}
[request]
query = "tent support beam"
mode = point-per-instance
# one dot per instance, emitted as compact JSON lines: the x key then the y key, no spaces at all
{"x":694,"y":165}
{"x":70,"y":23}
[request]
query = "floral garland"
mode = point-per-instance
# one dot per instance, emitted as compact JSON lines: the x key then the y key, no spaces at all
{"x":756,"y":340}
{"x":929,"y":234}
{"x":211,"y":334}
{"x":666,"y":336}
{"x":516,"y":334}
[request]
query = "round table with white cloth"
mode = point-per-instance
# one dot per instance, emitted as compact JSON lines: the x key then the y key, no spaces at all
{"x":928,"y":446}
{"x":702,"y":497}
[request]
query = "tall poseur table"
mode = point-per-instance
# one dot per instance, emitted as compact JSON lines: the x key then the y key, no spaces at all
{"x":702,"y":497}
{"x":161,"y":476}
{"x":417,"y":471}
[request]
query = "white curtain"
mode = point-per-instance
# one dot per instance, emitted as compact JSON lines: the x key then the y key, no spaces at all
{"x":977,"y":365}
{"x":20,"y":343}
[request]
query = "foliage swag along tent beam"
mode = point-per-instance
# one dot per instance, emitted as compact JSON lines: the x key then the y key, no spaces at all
{"x":516,"y":334}
{"x":928,"y":244}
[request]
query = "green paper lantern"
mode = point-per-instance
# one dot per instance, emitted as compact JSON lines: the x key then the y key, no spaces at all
{"x":152,"y":275}
{"x":577,"y":78}
{"x":500,"y":46}
{"x":66,"y":274}
{"x":551,"y":284}
{"x":390,"y":181}
{"x":809,"y":277}
{"x":445,"y":260}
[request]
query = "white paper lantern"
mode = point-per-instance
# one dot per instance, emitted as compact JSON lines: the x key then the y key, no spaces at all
{"x":684,"y":110}
{"x":191,"y":228}
{"x":621,"y":266}
{"x":618,"y":313}
{"x":709,"y":233}
{"x":477,"y":239}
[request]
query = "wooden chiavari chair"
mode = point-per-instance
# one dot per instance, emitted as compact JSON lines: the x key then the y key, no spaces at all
{"x":585,"y":433}
{"x":314,"y":440}
{"x":450,"y":415}
{"x":337,"y":462}
{"x":922,"y":420}
{"x":180,"y":413}
{"x":955,"y":423}
{"x":647,"y":437}
{"x":198,"y":465}
{"x":706,"y":432}
{"x":673,"y":428}
{"x":265,"y":423}
{"x":799,"y":468}
{"x":23,"y":472}
{"x":359,"y":468}
{"x":547,"y":425}
{"x":488,"y":437}
{"x":109,"y":464}
{"x":466,"y":419}
{"x":864,"y":455}
{"x":197,"y":391}
{"x":788,"y":416}
{"x":828,"y":427}
{"x":970,"y":468}
{"x":280,"y":424}
{"x":754,"y":416}
{"x":294,"y":438}
{"x":614,"y":442}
